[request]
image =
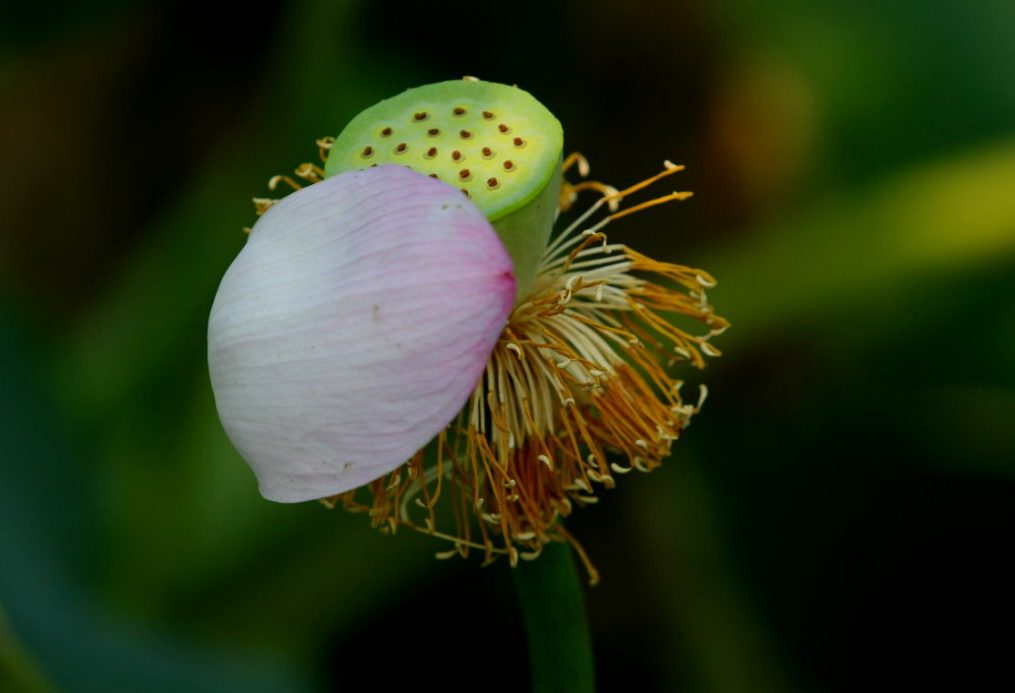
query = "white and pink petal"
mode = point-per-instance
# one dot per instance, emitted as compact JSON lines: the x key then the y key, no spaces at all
{"x":353,"y":326}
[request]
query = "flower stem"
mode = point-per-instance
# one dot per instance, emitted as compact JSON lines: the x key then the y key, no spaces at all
{"x":560,"y":649}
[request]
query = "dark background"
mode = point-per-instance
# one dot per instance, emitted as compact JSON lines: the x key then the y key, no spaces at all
{"x":839,"y":517}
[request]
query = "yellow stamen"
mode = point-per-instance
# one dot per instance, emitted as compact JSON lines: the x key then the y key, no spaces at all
{"x":569,"y":191}
{"x":310,"y":172}
{"x":651,"y":203}
{"x":324,"y":145}
{"x":669,"y":168}
{"x":576,"y":158}
{"x":577,"y":390}
{"x":275,"y":180}
{"x":578,"y":378}
{"x":263,"y":204}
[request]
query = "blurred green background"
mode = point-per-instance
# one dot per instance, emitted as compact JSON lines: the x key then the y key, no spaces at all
{"x":839,"y":517}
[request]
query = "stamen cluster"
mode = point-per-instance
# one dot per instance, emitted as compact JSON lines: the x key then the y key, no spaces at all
{"x":576,"y":392}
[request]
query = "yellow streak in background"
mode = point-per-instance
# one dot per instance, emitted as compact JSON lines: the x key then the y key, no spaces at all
{"x":940,"y":220}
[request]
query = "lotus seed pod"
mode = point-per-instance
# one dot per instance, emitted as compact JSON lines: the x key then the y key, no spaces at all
{"x":496,"y":143}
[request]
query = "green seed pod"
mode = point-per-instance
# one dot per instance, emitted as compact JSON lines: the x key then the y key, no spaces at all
{"x":496,"y":143}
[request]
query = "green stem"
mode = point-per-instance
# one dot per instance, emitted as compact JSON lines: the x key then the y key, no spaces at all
{"x":560,"y":649}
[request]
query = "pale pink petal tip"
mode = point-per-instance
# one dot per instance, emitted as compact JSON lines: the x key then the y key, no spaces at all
{"x":353,"y":326}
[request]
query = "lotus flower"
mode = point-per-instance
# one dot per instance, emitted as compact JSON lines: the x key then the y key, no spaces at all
{"x":377,"y":310}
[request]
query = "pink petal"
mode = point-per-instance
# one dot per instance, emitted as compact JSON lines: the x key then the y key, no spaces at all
{"x":353,"y":326}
